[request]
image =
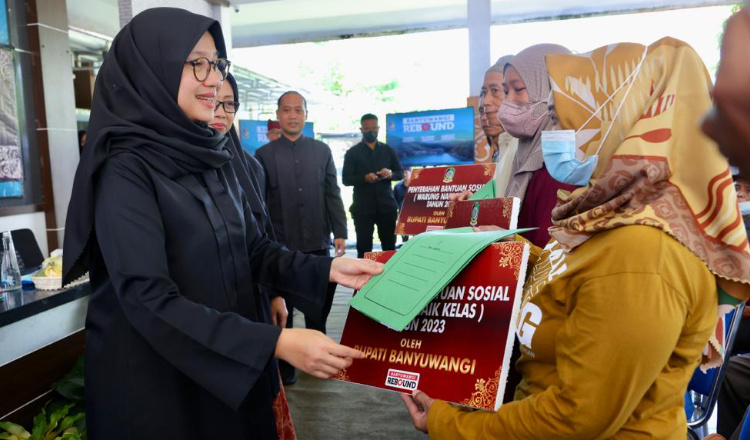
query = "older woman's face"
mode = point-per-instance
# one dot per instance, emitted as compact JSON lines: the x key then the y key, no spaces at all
{"x":222,"y":120}
{"x":743,"y":189}
{"x":514,"y":87}
{"x":491,"y":98}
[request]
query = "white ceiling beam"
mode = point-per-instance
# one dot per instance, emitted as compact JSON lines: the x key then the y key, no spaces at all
{"x":352,"y":26}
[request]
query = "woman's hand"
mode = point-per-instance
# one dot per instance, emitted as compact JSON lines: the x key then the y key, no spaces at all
{"x":419,"y":405}
{"x":459,"y":197}
{"x":313,"y":352}
{"x":352,"y":272}
{"x":279,"y":313}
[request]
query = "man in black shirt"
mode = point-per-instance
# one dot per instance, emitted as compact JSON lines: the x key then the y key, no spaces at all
{"x":303,"y":197}
{"x":369,"y":167}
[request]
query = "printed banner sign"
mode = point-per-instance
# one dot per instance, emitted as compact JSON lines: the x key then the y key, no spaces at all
{"x":4,"y":34}
{"x":427,"y":199}
{"x":436,"y":137}
{"x":459,"y":347}
{"x":488,"y":212}
{"x":11,"y":154}
{"x":253,"y":134}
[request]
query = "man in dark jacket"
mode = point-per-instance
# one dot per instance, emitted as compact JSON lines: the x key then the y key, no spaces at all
{"x":369,"y":167}
{"x":303,"y":197}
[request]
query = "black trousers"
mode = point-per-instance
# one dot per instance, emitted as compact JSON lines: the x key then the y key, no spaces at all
{"x":734,"y":396}
{"x":317,"y":322}
{"x":365,"y":226}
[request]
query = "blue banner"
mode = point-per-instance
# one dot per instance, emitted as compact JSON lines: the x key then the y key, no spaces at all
{"x":253,"y":134}
{"x":435,"y":137}
{"x":4,"y":24}
{"x":11,"y":188}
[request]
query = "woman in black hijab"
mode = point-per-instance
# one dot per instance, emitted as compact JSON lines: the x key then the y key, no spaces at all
{"x":252,"y":178}
{"x":175,"y":344}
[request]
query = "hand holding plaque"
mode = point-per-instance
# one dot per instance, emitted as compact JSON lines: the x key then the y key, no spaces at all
{"x":418,"y":405}
{"x":415,"y":275}
{"x":313,"y":352}
{"x":459,"y":347}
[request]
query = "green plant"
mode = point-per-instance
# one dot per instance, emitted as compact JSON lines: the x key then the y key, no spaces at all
{"x":71,"y":386}
{"x":60,"y":419}
{"x":12,"y":431}
{"x":61,"y":424}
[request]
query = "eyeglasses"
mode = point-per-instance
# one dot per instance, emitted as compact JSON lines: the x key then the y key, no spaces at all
{"x":202,"y":66}
{"x":229,"y":106}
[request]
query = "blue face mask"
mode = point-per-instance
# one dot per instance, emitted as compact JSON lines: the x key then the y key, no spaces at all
{"x":562,"y":157}
{"x":745,"y":208}
{"x":559,"y":151}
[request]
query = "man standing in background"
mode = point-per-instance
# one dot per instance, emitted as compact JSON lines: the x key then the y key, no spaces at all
{"x":303,"y":197}
{"x":369,"y":167}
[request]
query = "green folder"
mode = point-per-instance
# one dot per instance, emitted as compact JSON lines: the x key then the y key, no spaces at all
{"x":419,"y":271}
{"x":485,"y":192}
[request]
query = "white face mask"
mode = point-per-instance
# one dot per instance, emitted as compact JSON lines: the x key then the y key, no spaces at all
{"x":745,"y":208}
{"x":562,"y":158}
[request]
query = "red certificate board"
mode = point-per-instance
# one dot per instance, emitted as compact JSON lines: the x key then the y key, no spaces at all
{"x":498,"y":212}
{"x":459,"y":347}
{"x":426,"y":202}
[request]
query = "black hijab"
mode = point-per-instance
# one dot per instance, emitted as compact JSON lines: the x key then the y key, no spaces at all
{"x":135,"y":110}
{"x":245,"y":168}
{"x":235,"y":90}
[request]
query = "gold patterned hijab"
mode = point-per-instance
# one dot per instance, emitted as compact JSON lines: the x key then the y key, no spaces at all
{"x":655,"y":166}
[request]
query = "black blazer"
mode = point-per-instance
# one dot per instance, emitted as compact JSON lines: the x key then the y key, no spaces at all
{"x":302,"y":193}
{"x":172,"y":337}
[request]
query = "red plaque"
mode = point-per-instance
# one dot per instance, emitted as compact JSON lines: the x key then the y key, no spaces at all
{"x":498,"y":212}
{"x":426,"y":202}
{"x":459,"y":347}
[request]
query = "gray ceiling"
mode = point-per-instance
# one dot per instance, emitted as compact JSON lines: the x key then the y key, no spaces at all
{"x":98,"y":16}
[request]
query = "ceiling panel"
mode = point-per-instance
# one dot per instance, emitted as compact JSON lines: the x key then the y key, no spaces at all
{"x":99,"y":16}
{"x":265,"y":22}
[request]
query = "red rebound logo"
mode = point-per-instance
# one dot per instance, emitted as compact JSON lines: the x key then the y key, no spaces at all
{"x":404,"y":380}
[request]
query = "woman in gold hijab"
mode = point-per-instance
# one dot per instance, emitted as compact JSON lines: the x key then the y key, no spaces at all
{"x":621,"y":302}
